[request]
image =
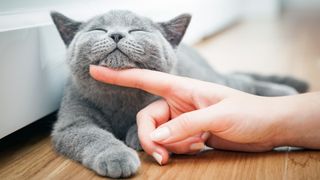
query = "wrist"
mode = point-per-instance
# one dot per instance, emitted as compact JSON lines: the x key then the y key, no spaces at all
{"x":298,"y":121}
{"x":286,"y":122}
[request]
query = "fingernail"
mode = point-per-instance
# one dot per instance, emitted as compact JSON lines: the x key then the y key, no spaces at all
{"x":196,"y":146}
{"x":205,"y":136}
{"x":157,"y":157}
{"x":92,"y":66}
{"x":160,"y":134}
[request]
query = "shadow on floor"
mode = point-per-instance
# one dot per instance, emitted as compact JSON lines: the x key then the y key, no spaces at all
{"x":29,"y":134}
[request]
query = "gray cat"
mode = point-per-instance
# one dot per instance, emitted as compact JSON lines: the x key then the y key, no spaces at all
{"x":96,"y":122}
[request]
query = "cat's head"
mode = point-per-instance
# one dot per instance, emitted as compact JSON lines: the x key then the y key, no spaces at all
{"x":120,"y":39}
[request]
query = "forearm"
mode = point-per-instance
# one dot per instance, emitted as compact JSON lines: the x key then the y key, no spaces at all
{"x":300,"y":122}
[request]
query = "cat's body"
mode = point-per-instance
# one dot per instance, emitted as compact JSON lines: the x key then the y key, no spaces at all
{"x":97,"y":120}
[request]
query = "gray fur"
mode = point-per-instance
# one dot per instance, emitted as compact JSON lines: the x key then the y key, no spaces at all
{"x":297,"y":84}
{"x":96,"y":121}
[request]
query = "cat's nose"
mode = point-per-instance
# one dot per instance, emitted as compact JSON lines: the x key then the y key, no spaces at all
{"x":116,"y":37}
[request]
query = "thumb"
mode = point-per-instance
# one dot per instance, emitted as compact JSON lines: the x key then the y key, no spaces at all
{"x":185,"y":125}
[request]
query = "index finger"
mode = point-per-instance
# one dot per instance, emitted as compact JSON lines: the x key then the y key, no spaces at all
{"x":154,"y":82}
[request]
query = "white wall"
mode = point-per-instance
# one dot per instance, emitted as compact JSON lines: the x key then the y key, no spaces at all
{"x":260,"y":9}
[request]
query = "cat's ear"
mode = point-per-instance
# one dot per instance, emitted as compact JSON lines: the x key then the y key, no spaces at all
{"x":174,"y":29}
{"x":66,"y":26}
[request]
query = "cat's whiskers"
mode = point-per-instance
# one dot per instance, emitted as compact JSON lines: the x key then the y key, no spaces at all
{"x":104,"y":46}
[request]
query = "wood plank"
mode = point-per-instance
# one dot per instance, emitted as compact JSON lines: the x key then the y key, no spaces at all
{"x":303,"y":165}
{"x":38,"y":161}
{"x":219,"y":165}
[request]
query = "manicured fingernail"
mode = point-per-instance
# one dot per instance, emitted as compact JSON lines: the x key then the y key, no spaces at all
{"x":160,"y":134}
{"x":196,"y":146}
{"x":157,"y":157}
{"x":205,"y":136}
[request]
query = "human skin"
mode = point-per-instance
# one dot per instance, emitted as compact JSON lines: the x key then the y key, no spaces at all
{"x":193,"y":111}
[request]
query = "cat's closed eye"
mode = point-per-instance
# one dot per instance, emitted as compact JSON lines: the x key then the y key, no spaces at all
{"x":99,"y":29}
{"x":137,"y":30}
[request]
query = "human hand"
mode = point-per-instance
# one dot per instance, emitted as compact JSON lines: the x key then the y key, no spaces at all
{"x":189,"y":108}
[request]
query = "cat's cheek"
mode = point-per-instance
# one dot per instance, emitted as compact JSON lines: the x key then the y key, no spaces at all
{"x":88,"y":38}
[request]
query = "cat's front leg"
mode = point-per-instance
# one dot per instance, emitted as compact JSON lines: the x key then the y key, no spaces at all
{"x":132,"y":139}
{"x":77,"y":136}
{"x":97,"y":149}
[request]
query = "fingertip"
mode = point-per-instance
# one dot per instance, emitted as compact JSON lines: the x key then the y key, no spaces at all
{"x":94,"y":71}
{"x":163,"y":157}
{"x":158,"y":157}
{"x":160,"y":134}
{"x":159,"y":153}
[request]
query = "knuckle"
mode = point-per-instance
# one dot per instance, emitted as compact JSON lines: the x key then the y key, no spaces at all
{"x":140,"y":115}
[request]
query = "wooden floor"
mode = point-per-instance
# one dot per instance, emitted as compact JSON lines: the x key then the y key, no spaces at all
{"x":290,"y":45}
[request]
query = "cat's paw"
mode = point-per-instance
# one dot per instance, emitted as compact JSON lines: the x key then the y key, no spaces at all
{"x":132,"y":139}
{"x":116,"y":164}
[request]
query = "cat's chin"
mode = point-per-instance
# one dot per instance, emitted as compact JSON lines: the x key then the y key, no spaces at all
{"x":117,"y":60}
{"x":118,"y":67}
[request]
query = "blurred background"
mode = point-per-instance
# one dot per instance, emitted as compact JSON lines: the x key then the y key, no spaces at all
{"x":264,"y":36}
{"x":208,"y":15}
